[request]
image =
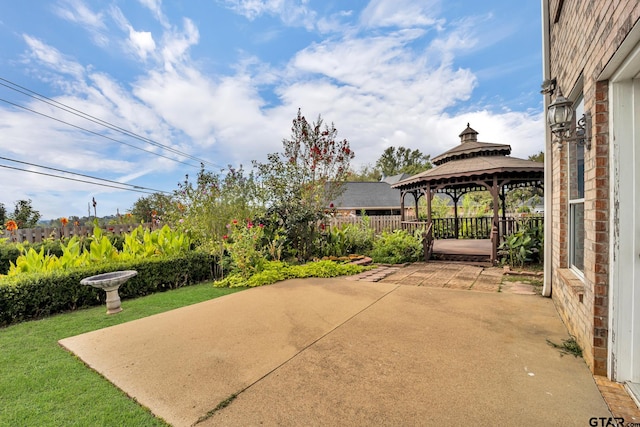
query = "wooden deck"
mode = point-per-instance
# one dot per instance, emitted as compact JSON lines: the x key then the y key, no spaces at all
{"x":462,"y":249}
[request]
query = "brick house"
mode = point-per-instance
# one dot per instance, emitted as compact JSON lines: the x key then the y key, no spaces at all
{"x":591,"y":56}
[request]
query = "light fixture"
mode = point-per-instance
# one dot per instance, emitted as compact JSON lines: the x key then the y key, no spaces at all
{"x":564,"y":128}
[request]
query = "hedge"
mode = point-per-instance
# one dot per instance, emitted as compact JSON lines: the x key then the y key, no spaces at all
{"x":32,"y":296}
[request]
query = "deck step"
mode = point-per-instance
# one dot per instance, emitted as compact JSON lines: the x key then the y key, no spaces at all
{"x":461,"y":257}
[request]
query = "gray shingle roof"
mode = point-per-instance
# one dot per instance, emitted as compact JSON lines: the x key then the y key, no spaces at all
{"x":360,"y":195}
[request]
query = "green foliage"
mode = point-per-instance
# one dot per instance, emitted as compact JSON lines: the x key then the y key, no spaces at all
{"x":568,"y":346}
{"x":300,"y":183}
{"x":152,"y":208}
{"x":28,"y":296}
{"x":348,"y":239}
{"x":24,"y":214}
{"x":523,"y":246}
{"x":243,"y":245}
{"x":275,"y":271}
{"x":138,"y":244}
{"x":204,"y":208}
{"x":402,"y":160}
{"x":397,"y":247}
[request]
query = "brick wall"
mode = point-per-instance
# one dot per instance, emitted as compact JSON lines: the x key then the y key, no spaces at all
{"x":584,"y":35}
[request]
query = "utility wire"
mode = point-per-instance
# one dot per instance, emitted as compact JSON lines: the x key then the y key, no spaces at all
{"x":94,"y":133}
{"x":74,"y":179}
{"x":85,"y":176}
{"x":42,"y":98}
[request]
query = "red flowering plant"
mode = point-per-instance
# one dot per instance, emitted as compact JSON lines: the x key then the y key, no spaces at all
{"x":243,"y":244}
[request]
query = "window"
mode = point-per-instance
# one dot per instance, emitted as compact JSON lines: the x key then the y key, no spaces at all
{"x":576,"y":198}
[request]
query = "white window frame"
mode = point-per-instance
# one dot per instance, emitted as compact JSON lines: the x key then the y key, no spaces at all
{"x":572,"y":242}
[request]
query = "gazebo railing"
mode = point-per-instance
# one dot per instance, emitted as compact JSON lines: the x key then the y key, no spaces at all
{"x":473,"y":227}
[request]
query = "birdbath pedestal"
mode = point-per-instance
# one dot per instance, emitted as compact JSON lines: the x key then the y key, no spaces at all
{"x":110,"y":282}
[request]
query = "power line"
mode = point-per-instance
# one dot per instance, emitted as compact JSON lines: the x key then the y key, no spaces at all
{"x":83,"y":175}
{"x":89,"y":117}
{"x":94,"y":133}
{"x":74,"y":179}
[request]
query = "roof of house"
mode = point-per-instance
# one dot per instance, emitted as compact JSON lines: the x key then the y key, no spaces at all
{"x":370,"y":195}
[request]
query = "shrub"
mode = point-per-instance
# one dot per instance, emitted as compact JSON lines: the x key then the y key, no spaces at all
{"x":523,"y":246}
{"x":275,"y":271}
{"x":29,"y":296}
{"x":75,"y":252}
{"x":242,"y":244}
{"x":346,"y":240}
{"x":397,"y":247}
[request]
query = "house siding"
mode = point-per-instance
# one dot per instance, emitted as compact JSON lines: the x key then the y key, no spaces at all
{"x":583,"y":37}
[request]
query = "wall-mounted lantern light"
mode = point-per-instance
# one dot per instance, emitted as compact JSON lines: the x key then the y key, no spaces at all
{"x":564,"y":128}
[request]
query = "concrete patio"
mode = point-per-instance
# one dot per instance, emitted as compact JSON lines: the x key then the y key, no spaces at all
{"x":351,"y":352}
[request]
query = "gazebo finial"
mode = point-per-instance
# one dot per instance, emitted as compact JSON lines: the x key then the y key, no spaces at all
{"x":468,"y":135}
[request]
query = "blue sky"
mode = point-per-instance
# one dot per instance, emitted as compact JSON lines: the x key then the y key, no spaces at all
{"x":221,"y":80}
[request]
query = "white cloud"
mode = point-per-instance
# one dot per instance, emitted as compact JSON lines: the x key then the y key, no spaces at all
{"x":78,"y":12}
{"x":52,"y":58}
{"x":142,"y":42}
{"x":400,"y":13}
{"x":294,"y":13}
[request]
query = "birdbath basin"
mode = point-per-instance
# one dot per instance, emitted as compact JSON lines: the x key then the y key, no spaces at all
{"x":110,"y":282}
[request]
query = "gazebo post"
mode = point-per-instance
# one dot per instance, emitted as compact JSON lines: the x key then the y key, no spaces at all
{"x":402,"y":194}
{"x":455,"y":213}
{"x":429,"y":196}
{"x":495,"y":230}
{"x":415,"y":198}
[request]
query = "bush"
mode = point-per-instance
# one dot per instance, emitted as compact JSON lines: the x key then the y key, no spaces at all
{"x":275,"y":271}
{"x":525,"y":246}
{"x":346,"y":240}
{"x":397,"y":247}
{"x":29,"y":296}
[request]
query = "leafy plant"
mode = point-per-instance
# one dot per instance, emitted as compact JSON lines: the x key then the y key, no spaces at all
{"x":348,"y":239}
{"x":522,"y":247}
{"x":302,"y":181}
{"x":139,"y":244}
{"x":275,"y":271}
{"x":568,"y":346}
{"x":243,"y":245}
{"x":397,"y":247}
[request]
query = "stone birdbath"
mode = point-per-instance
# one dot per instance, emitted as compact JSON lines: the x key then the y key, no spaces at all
{"x":110,"y":282}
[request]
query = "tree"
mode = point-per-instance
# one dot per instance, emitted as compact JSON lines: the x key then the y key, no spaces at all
{"x":537,"y":157}
{"x":152,"y":207}
{"x":204,"y":209}
{"x":402,"y":160}
{"x":366,"y":173}
{"x":301,"y":181}
{"x":3,"y":214}
{"x":24,"y":214}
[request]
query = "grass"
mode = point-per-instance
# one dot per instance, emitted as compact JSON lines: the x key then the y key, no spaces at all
{"x":41,"y":384}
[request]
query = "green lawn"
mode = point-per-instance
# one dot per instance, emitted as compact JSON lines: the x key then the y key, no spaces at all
{"x":41,"y":384}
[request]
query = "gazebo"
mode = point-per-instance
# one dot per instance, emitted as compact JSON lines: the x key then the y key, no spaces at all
{"x":470,"y":166}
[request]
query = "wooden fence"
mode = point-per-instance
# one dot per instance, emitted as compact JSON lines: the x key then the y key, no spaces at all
{"x":379,"y":223}
{"x":33,"y":235}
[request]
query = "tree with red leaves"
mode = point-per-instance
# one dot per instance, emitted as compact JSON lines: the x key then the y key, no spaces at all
{"x":302,"y":181}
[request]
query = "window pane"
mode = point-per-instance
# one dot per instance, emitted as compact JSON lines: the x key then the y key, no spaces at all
{"x":576,"y":171}
{"x":576,"y":252}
